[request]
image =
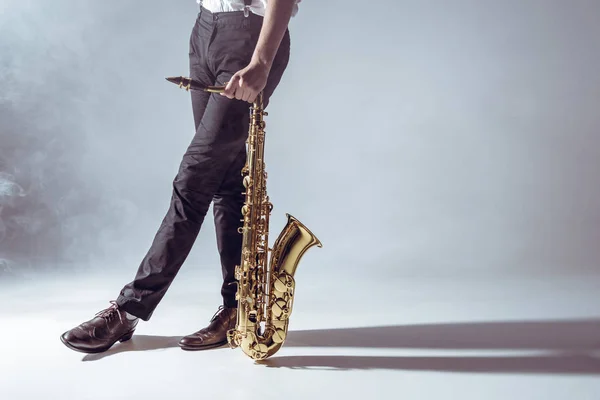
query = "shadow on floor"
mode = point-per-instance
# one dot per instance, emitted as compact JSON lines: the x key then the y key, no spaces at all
{"x":137,"y":343}
{"x":560,"y":335}
{"x":569,"y":346}
{"x":560,"y":364}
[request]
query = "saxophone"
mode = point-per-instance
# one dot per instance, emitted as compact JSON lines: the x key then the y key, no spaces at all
{"x":265,"y":286}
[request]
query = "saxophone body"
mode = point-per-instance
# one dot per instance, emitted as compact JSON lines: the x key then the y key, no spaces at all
{"x":265,"y":286}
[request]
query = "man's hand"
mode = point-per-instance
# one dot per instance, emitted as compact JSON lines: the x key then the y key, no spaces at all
{"x":247,"y":83}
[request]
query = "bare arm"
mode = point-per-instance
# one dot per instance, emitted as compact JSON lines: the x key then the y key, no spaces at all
{"x":276,"y":20}
{"x":248,"y":82}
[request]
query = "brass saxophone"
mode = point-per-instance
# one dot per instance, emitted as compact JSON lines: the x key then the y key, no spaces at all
{"x":265,"y":287}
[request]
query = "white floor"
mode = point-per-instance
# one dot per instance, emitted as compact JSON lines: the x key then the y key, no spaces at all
{"x":517,"y":337}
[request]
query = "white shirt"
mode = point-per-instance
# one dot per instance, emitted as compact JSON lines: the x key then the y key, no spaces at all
{"x":257,"y":6}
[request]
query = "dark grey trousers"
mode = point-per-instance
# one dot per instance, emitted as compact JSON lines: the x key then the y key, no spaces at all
{"x":220,"y":45}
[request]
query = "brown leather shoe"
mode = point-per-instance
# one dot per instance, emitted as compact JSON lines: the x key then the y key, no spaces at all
{"x":101,"y":332}
{"x":215,"y":334}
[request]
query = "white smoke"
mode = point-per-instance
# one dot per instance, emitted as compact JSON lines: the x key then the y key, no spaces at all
{"x":50,"y":210}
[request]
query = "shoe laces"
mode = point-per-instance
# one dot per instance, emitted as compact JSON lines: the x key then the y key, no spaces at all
{"x":110,"y":312}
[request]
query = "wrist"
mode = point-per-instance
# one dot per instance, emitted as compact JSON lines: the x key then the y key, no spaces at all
{"x":262,"y":61}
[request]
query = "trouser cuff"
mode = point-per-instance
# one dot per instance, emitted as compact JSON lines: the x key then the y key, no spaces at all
{"x":134,"y":308}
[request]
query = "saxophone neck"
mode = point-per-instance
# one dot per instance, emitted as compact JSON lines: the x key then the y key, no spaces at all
{"x":258,"y":106}
{"x":258,"y":102}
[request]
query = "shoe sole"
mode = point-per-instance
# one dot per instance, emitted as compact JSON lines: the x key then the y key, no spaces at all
{"x":207,"y":347}
{"x":123,"y":338}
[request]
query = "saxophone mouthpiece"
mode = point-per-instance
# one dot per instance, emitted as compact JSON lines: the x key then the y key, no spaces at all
{"x":190,"y":84}
{"x":181,"y":81}
{"x":175,"y":80}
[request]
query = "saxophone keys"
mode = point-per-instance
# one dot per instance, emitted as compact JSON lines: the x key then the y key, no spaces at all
{"x":260,"y":351}
{"x":279,"y":336}
{"x":252,"y":315}
{"x":261,"y":348}
{"x":280,"y":309}
{"x":280,"y":285}
{"x":258,"y":356}
{"x":284,"y":283}
{"x":233,"y":338}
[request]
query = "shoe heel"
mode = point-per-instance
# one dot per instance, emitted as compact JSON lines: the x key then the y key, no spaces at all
{"x":126,"y":336}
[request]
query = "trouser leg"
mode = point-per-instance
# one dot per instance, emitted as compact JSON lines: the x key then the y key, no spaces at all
{"x":200,"y":174}
{"x":227,"y":205}
{"x":209,"y":168}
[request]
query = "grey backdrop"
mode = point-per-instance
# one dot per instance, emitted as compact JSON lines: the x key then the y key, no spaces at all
{"x":410,"y":136}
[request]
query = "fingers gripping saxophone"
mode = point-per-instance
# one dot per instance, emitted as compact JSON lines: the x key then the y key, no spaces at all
{"x":266,"y":285}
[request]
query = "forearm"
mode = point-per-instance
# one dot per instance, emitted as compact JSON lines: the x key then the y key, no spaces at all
{"x":276,"y":19}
